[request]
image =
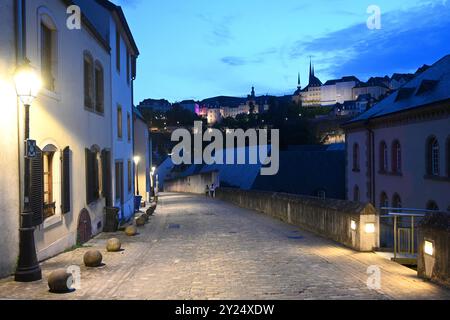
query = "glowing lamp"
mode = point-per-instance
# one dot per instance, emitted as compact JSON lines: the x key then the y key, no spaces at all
{"x":429,"y":248}
{"x":370,"y":227}
{"x":353,"y":225}
{"x":27,"y":83}
{"x":137,"y":159}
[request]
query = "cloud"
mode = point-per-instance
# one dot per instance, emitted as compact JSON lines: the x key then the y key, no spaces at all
{"x":240,"y":61}
{"x":219,"y":30}
{"x":407,"y":39}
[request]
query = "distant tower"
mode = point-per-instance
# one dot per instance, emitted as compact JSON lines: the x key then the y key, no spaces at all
{"x":253,"y":93}
{"x":299,"y":84}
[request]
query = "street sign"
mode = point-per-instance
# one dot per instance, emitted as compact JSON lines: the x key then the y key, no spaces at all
{"x":30,"y":149}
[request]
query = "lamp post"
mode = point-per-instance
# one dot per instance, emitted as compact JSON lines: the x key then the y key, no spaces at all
{"x":137,"y":159}
{"x":27,"y":84}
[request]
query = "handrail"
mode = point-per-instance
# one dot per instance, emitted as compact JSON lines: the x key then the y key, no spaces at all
{"x":412,"y":210}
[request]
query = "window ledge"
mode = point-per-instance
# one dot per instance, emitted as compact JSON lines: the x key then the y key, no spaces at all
{"x":436,"y":178}
{"x":52,"y":221}
{"x":50,"y":94}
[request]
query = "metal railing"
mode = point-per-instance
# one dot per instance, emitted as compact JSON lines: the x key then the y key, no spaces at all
{"x":404,"y":237}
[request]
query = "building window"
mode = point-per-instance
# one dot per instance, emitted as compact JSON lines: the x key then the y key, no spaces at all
{"x":119,"y":180}
{"x":48,"y":54}
{"x":396,"y":201}
{"x":433,"y":155}
{"x":384,"y":201}
{"x":432,"y":206}
{"x":49,"y":199}
{"x":448,"y":157}
{"x":92,"y":175}
{"x":130,"y":176}
{"x":88,"y":81}
{"x":128,"y":68}
{"x":99,"y":88}
{"x":119,"y":122}
{"x":383,"y":157}
{"x":396,"y":157}
{"x":128,"y":126}
{"x":118,"y":51}
{"x":356,"y":194}
{"x":356,"y":157}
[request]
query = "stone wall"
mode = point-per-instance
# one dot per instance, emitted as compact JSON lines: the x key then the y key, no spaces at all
{"x":193,"y":184}
{"x":328,"y":218}
{"x":435,"y":265}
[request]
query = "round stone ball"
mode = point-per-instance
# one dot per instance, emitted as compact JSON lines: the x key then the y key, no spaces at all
{"x":60,"y":281}
{"x":150,"y":211}
{"x":113,"y":245}
{"x":131,"y":231}
{"x":140,"y":222}
{"x":93,"y":259}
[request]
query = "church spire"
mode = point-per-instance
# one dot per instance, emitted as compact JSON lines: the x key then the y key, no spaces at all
{"x":299,"y":85}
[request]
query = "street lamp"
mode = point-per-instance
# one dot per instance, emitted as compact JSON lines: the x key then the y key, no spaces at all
{"x":137,"y":159}
{"x":27,"y":84}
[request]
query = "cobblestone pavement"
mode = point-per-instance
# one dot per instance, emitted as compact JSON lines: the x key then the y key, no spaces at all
{"x":198,"y":248}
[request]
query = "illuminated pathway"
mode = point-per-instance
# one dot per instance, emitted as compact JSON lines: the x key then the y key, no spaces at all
{"x":197,"y":248}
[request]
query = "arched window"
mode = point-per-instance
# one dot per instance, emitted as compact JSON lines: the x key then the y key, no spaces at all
{"x":433,"y":155}
{"x":384,"y":200}
{"x":396,"y":157}
{"x":356,"y":194}
{"x":383,"y":157}
{"x":48,"y":45}
{"x":432,"y":205}
{"x":396,"y":201}
{"x":356,"y":157}
{"x":89,"y":85}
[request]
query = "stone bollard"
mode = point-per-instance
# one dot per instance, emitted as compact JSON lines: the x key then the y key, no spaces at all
{"x":140,"y":222}
{"x":93,"y":259}
{"x":131,"y":231}
{"x":113,"y":245}
{"x":60,"y":281}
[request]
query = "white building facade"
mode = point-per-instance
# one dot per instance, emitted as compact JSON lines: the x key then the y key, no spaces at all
{"x":70,"y":120}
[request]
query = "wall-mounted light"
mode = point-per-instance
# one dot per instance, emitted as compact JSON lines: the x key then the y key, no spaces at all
{"x":353,"y":225}
{"x":429,"y":248}
{"x":370,"y":228}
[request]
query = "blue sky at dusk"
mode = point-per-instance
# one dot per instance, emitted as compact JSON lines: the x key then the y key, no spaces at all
{"x":194,"y":49}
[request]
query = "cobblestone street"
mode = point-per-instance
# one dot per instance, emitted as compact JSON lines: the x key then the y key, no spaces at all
{"x":198,"y":248}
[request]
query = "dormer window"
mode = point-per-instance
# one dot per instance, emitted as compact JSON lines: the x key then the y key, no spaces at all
{"x":404,"y":93}
{"x":427,"y":86}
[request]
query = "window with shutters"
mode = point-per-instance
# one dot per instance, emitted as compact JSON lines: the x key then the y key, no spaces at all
{"x":118,"y":51}
{"x":48,"y":51}
{"x":128,"y":68}
{"x":128,"y":126}
{"x":130,"y":177}
{"x":99,"y":88}
{"x":92,"y":176}
{"x":65,"y":181}
{"x":119,"y":122}
{"x":37,"y":188}
{"x":88,"y":81}
{"x":119,"y":184}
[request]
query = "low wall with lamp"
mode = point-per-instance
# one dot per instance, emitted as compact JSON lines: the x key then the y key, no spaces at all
{"x":352,"y":224}
{"x":433,"y":261}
